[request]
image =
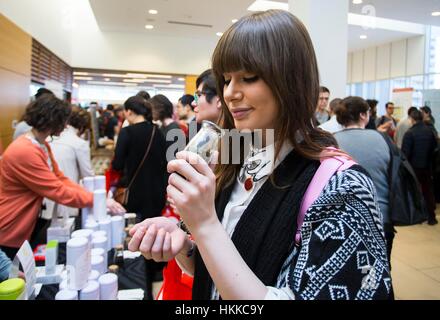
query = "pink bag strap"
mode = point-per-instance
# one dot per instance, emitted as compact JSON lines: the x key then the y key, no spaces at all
{"x":326,"y":170}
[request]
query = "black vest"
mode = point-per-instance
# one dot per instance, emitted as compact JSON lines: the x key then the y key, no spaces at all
{"x":266,"y":230}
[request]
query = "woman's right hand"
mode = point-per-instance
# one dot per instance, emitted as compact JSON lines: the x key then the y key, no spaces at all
{"x":159,"y":239}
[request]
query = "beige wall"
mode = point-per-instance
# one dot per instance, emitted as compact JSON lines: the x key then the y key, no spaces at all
{"x":15,"y":75}
{"x":402,"y":58}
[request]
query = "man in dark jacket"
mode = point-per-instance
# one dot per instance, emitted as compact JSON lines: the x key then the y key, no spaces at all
{"x":418,"y":145}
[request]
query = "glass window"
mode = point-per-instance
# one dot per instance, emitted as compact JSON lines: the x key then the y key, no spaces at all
{"x":399,"y":83}
{"x":369,"y":90}
{"x":417,"y":84}
{"x":433,"y":81}
{"x":383,"y":95}
{"x":357,"y":89}
{"x":348,"y":90}
{"x":433,"y":50}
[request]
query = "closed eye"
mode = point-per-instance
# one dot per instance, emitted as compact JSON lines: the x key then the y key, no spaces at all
{"x":251,"y":79}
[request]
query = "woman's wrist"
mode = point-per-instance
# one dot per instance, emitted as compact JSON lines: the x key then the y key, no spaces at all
{"x":206,"y":230}
{"x":188,"y":248}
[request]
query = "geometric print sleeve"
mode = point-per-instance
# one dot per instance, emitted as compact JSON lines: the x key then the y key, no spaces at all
{"x":342,"y":255}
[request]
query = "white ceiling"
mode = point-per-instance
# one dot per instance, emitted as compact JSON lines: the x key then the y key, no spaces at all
{"x":417,"y":11}
{"x":132,"y":15}
{"x":76,"y":30}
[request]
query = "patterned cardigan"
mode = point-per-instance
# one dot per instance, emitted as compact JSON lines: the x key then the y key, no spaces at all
{"x":343,"y":253}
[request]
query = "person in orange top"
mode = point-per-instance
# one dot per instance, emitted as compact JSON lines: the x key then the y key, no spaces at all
{"x":29,"y":173}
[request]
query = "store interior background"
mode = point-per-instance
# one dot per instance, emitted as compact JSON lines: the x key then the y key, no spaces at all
{"x":106,"y":51}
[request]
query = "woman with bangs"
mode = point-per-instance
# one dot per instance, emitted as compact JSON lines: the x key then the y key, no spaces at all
{"x":243,"y":218}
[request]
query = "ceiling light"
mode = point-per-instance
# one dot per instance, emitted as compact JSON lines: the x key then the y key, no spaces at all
{"x":141,"y":75}
{"x":152,"y":11}
{"x":75,"y":85}
{"x":174,"y":86}
{"x":363,"y":37}
{"x":149,"y":26}
{"x":219,"y":34}
{"x":146,"y":80}
{"x":436,"y":14}
{"x":107,"y":79}
{"x":263,"y":5}
{"x":357,"y":1}
{"x":112,"y":83}
{"x":181,"y":79}
{"x":77,"y":73}
{"x":234,"y":20}
{"x":83,"y":78}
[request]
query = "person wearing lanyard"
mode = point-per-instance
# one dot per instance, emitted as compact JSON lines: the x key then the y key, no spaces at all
{"x":29,"y":173}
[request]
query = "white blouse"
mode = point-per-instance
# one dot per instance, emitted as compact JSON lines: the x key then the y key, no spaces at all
{"x":257,"y":167}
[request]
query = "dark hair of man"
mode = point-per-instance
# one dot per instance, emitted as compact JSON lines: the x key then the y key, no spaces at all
{"x":324,"y":89}
{"x":275,"y":46}
{"x":334,"y":104}
{"x":48,"y":113}
{"x":139,"y":106}
{"x":350,"y":110}
{"x":373,"y":107}
{"x":42,"y":91}
{"x":207,"y":78}
{"x":187,"y":100}
{"x":162,"y":106}
{"x":416,"y":115}
{"x":144,"y":94}
{"x":79,"y":119}
{"x":110,"y":107}
{"x":387,"y":104}
{"x":410,"y":109}
{"x":426,"y":109}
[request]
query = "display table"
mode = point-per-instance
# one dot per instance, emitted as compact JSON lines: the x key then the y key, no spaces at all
{"x":131,"y":275}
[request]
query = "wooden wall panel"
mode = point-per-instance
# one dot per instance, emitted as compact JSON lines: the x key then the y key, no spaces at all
{"x":47,"y":66}
{"x":16,"y":46}
{"x":14,"y":96}
{"x":15,"y":71}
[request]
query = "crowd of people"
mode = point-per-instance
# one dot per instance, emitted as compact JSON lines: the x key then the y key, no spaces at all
{"x":415,"y":135}
{"x":240,"y":219}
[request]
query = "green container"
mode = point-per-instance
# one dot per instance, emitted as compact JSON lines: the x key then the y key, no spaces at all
{"x":11,"y":289}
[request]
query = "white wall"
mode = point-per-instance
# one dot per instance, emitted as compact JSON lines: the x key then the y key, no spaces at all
{"x":137,"y":52}
{"x":69,"y":29}
{"x":329,"y":33}
{"x":392,"y":60}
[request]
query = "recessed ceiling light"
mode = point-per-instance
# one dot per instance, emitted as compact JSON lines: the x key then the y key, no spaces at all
{"x":107,"y":79}
{"x":234,"y":20}
{"x":219,"y":34}
{"x":436,"y":14}
{"x":152,"y":11}
{"x":357,"y":1}
{"x":363,"y":37}
{"x":149,"y":26}
{"x":264,"y":5}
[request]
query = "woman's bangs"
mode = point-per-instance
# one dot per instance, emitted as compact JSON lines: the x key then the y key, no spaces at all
{"x":232,"y":55}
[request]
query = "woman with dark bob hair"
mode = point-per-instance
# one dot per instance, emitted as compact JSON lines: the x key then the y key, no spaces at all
{"x":243,"y":218}
{"x":30,"y":173}
{"x":147,"y":189}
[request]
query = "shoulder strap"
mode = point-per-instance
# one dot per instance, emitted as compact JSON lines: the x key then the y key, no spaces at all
{"x":145,"y":157}
{"x":322,"y":176}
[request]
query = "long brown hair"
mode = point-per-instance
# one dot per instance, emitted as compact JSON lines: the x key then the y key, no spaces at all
{"x":276,"y":46}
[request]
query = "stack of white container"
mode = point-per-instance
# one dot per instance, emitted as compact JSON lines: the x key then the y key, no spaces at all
{"x":87,"y":250}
